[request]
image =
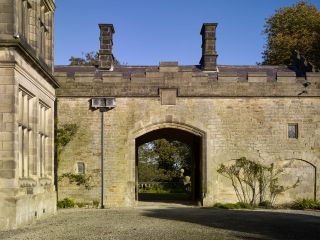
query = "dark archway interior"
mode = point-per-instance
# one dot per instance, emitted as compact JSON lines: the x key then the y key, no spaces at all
{"x":192,"y":140}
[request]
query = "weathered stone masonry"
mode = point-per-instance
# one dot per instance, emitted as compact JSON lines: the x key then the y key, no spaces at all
{"x":235,"y":110}
{"x":27,"y":95}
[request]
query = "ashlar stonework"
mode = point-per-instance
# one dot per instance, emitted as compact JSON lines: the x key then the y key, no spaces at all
{"x":27,"y":96}
{"x":226,"y":111}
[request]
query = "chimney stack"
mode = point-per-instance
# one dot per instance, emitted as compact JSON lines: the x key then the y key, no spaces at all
{"x":208,"y":60}
{"x":106,"y":43}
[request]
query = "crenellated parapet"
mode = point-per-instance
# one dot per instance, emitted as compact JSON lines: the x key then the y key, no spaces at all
{"x":190,"y":81}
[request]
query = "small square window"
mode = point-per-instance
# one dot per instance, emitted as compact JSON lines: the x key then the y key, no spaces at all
{"x":81,"y":167}
{"x":293,"y":131}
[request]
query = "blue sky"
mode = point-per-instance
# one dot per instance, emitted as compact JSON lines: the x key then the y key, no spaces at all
{"x":150,"y":31}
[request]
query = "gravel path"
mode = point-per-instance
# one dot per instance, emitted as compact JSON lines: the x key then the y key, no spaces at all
{"x":172,"y":222}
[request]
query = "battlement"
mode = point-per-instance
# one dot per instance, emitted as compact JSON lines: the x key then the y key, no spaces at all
{"x":227,"y":81}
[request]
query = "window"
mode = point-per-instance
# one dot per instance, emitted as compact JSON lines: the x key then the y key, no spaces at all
{"x":43,"y":135}
{"x":24,"y":9}
{"x":81,"y":167}
{"x":44,"y":30}
{"x":25,"y":132}
{"x":292,"y":130}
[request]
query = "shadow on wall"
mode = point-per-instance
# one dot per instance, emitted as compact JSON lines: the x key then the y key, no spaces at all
{"x":269,"y":225}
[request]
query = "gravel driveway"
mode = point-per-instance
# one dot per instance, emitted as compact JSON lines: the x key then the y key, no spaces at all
{"x":172,"y":222}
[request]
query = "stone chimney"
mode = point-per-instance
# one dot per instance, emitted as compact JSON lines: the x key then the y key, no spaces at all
{"x":208,"y":60}
{"x":106,"y":43}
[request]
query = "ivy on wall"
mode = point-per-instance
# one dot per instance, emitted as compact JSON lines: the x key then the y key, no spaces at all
{"x":65,"y":133}
{"x":78,"y":179}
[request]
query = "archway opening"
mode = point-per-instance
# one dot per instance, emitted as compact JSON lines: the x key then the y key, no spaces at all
{"x":168,"y":166}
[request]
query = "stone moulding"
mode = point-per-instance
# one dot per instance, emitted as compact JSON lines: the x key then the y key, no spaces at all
{"x":27,"y":182}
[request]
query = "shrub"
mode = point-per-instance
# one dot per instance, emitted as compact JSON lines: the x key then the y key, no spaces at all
{"x":245,"y":205}
{"x":306,"y":203}
{"x":95,"y":203}
{"x":81,"y":204}
{"x":265,"y":204}
{"x":66,"y":203}
{"x":252,"y":181}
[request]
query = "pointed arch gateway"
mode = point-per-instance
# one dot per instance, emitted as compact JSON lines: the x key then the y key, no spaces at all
{"x":193,"y":137}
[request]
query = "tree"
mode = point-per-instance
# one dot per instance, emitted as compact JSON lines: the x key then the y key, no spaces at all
{"x":292,"y":30}
{"x":90,"y":59}
{"x":162,"y":160}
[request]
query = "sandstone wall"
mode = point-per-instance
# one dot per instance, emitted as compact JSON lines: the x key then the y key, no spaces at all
{"x":238,"y":111}
{"x":231,"y":127}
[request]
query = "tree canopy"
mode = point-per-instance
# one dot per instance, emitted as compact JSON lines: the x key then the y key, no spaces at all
{"x":89,"y":59}
{"x":162,"y":160}
{"x":291,"y":30}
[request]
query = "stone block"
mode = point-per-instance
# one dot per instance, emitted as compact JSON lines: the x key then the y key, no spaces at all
{"x":168,"y":96}
{"x":286,"y":77}
{"x":111,"y":77}
{"x":228,"y":77}
{"x":8,"y":117}
{"x":9,"y":165}
{"x":168,"y":67}
{"x":5,"y":80}
{"x":6,"y":136}
{"x":7,"y":146}
{"x":313,"y":76}
{"x":138,"y":77}
{"x":60,"y":75}
{"x":7,"y":89}
{"x":7,"y":174}
{"x":257,"y":77}
{"x":84,"y":77}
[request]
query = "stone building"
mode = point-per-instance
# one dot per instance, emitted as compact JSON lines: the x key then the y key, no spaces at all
{"x":268,"y":114}
{"x":27,"y":95}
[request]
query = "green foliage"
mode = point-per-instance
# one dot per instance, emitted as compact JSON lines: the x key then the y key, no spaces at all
{"x":65,"y":134}
{"x":251,"y":180}
{"x":306,"y":203}
{"x":79,"y":179}
{"x":238,"y":205}
{"x":161,"y":160}
{"x":89,"y":59}
{"x":95,"y":203}
{"x":294,"y":28}
{"x":163,"y":187}
{"x":81,"y":204}
{"x":66,"y":203}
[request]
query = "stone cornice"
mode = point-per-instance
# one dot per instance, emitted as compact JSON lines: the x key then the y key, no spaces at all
{"x":29,"y":54}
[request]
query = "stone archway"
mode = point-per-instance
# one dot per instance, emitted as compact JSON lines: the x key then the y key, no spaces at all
{"x":192,"y":137}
